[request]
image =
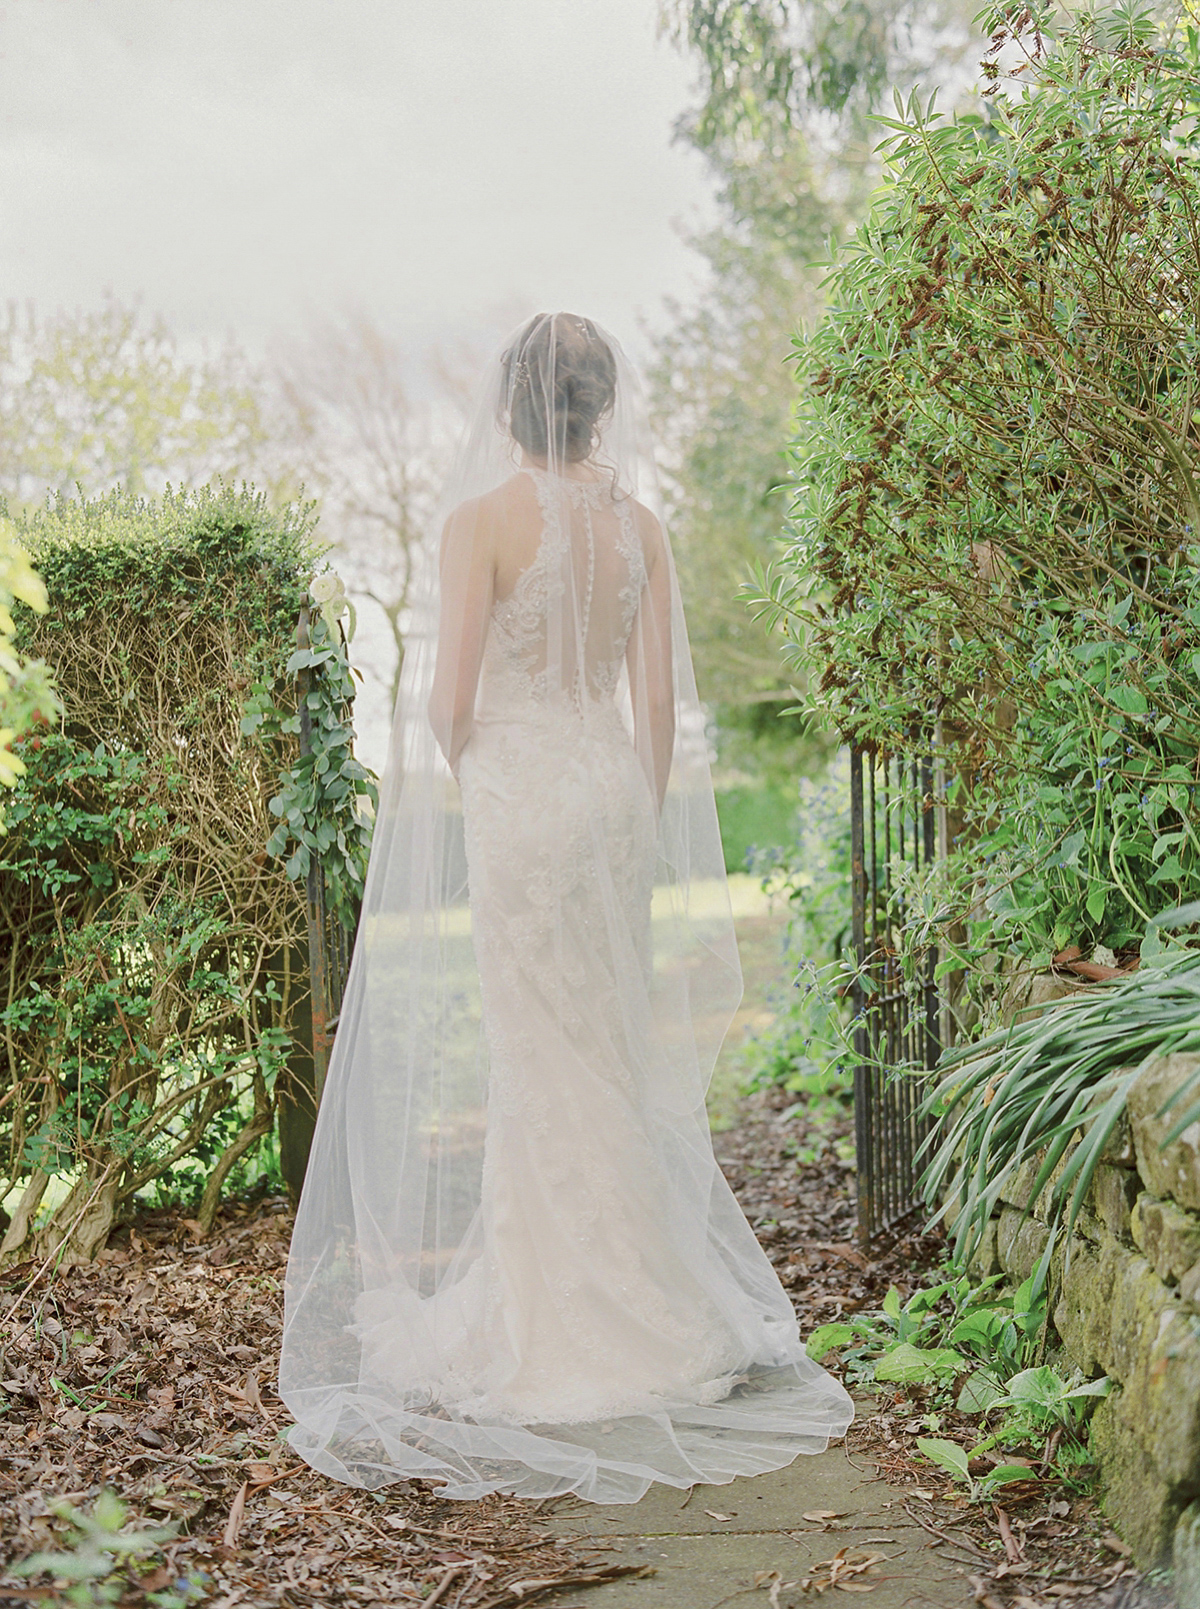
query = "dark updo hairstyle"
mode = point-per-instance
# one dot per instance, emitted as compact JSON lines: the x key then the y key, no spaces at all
{"x":560,"y":379}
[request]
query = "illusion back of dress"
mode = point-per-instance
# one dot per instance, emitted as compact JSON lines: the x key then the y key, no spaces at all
{"x":564,"y":627}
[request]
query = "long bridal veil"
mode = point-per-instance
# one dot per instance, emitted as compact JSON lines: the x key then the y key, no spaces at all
{"x":516,"y":1265}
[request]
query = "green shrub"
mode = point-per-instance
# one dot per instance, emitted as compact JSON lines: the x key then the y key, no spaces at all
{"x":996,"y":527}
{"x":25,"y":692}
{"x":754,"y":817}
{"x":154,"y":987}
{"x":1055,"y":1087}
{"x":805,"y":1049}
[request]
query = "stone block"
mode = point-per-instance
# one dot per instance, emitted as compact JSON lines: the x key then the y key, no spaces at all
{"x":1114,"y":1173}
{"x":1017,"y":1189}
{"x":1174,"y":1172}
{"x":1189,"y":1287}
{"x":1143,"y":1506}
{"x":986,"y":1260}
{"x":1138,"y":1304}
{"x":1111,"y":1198}
{"x":1083,"y":1315}
{"x":1186,"y":1558}
{"x":1162,"y":1395}
{"x":1020,"y":1242}
{"x":1119,"y":1149}
{"x":1169,"y":1236}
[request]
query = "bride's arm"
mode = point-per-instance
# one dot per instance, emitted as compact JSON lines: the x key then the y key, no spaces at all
{"x":649,"y":660}
{"x":467,"y":578}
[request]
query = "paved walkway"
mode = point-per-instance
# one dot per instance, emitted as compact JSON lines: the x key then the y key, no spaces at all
{"x":710,"y":1547}
{"x":701,"y":1561}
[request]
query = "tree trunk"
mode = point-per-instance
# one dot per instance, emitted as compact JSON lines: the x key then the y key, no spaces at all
{"x":80,"y":1226}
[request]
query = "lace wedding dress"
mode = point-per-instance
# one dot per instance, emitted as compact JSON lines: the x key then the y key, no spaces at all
{"x":517,"y":1265}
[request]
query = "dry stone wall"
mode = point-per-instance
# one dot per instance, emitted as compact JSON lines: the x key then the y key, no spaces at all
{"x":1129,"y":1307}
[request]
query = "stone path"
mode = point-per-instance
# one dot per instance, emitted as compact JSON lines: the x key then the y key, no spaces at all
{"x":700,"y":1561}
{"x":707,"y":1549}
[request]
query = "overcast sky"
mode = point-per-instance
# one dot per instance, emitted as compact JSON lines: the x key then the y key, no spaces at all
{"x":241,"y":163}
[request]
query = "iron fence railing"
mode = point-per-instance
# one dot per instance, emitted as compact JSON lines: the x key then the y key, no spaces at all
{"x":894,"y":819}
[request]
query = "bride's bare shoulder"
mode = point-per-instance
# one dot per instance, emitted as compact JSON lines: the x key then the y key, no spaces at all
{"x":493,"y":511}
{"x":650,"y":530}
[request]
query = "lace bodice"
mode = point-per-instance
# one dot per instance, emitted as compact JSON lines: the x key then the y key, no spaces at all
{"x":565,"y":625}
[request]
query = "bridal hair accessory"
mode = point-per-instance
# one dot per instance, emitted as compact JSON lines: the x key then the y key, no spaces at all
{"x":516,"y":1265}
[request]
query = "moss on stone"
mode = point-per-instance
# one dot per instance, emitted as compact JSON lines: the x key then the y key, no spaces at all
{"x":1169,"y":1236}
{"x":1173,"y":1172}
{"x":1140,"y":1503}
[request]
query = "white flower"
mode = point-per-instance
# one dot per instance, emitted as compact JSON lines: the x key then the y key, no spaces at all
{"x":328,"y":592}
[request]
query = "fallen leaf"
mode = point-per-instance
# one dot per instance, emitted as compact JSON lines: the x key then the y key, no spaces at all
{"x":713,"y":1515}
{"x":816,"y":1515}
{"x":1113,"y":1543}
{"x":237,"y":1512}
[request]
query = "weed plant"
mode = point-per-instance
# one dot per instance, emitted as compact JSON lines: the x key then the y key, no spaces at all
{"x":973,"y":1349}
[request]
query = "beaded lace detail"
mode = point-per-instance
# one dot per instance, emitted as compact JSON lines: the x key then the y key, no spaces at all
{"x":516,"y":653}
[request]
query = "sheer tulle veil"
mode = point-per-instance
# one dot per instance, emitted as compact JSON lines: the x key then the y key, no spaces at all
{"x":516,"y":1265}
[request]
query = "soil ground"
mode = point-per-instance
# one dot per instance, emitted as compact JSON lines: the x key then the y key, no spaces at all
{"x":151,"y":1371}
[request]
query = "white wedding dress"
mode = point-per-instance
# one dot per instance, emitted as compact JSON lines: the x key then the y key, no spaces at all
{"x":556,"y":1291}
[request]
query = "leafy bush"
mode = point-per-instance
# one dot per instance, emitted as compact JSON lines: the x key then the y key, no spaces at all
{"x":155,"y":979}
{"x":105,"y":1560}
{"x":754,"y":816}
{"x":806,"y":1048}
{"x":25,"y":692}
{"x":971,"y":1348}
{"x":996,"y":527}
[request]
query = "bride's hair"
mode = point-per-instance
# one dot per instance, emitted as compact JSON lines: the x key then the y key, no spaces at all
{"x":560,"y":380}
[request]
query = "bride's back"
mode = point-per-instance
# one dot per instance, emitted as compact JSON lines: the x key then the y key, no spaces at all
{"x":569,"y":569}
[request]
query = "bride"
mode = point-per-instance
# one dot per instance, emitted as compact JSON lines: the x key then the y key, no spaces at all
{"x":516,"y":1265}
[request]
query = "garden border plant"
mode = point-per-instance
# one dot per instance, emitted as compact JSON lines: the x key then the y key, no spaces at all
{"x":156,"y":969}
{"x":996,"y":522}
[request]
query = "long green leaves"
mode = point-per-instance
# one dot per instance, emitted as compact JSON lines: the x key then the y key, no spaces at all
{"x":1055,"y":1084}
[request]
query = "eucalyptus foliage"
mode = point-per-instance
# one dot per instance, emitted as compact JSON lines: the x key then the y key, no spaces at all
{"x":767,"y":64}
{"x":996,"y":526}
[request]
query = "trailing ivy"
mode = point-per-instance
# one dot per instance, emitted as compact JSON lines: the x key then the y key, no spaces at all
{"x":322,"y":794}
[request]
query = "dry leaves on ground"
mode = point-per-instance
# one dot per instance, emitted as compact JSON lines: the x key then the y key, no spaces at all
{"x":150,"y":1372}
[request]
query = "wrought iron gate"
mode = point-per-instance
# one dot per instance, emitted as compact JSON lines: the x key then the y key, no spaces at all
{"x":894,"y":817}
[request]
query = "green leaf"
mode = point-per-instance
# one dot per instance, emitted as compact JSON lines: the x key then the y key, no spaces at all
{"x":947,"y":1455}
{"x":915,"y":1365}
{"x":981,"y":1329}
{"x":1041,"y":1386}
{"x":1004,"y":1473}
{"x":826,"y":1337}
{"x":980,"y":1390}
